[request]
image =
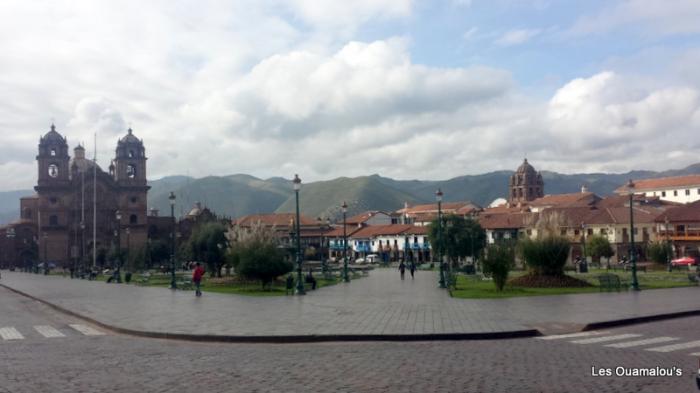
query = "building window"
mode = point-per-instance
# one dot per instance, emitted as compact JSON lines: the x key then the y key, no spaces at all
{"x":563,"y":232}
{"x":53,"y":220}
{"x":529,"y":232}
{"x":663,"y":193}
{"x":636,"y":230}
{"x":675,"y":192}
{"x":687,"y":192}
{"x":576,"y":232}
{"x":396,"y":242}
{"x":698,"y":191}
{"x":133,"y":219}
{"x":131,"y":171}
{"x":134,"y":199}
{"x":53,"y":153}
{"x":589,"y":231}
{"x":603,"y":231}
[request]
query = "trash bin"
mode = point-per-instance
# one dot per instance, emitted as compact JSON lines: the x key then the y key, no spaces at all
{"x":583,"y":267}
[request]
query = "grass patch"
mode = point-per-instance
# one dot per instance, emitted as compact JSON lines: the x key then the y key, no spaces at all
{"x":235,"y":286}
{"x":473,"y":287}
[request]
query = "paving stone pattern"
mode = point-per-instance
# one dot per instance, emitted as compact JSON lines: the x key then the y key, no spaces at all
{"x":381,"y":304}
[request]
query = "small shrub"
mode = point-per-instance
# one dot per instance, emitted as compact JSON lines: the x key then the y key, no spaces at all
{"x":659,"y":252}
{"x":498,"y":260}
{"x":546,"y":256}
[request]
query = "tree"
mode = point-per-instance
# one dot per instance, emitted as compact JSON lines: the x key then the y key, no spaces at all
{"x":498,"y":261}
{"x":159,"y":253}
{"x":545,"y":256}
{"x":255,"y":254}
{"x":659,"y":252}
{"x":208,"y":244}
{"x":598,"y":246}
{"x":460,"y":237}
{"x":136,"y":260}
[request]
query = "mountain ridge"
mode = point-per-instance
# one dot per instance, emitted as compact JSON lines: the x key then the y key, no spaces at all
{"x":241,"y":194}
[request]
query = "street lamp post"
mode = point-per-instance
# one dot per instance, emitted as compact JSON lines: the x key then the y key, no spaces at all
{"x":633,"y":257}
{"x":668,"y":246}
{"x":46,"y":259}
{"x":171,"y":198}
{"x":119,"y":247}
{"x":346,"y":277}
{"x":438,"y":197}
{"x":300,"y":279}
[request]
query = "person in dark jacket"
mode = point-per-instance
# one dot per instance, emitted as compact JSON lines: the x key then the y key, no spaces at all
{"x":402,"y":269}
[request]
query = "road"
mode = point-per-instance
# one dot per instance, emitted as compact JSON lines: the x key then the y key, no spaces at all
{"x":57,"y":353}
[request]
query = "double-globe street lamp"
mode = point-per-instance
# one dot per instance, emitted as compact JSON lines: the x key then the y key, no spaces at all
{"x":667,"y":247}
{"x":438,"y":198}
{"x":346,"y":277}
{"x":300,"y":279}
{"x":171,"y":198}
{"x":633,"y":257}
{"x":10,"y":234}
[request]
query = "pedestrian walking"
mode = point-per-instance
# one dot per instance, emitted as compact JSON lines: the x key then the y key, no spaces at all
{"x":402,"y":269}
{"x":197,"y":279}
{"x":412,"y":269}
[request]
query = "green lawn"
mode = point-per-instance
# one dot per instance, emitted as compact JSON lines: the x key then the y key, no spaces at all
{"x":231,"y":285}
{"x":473,"y":287}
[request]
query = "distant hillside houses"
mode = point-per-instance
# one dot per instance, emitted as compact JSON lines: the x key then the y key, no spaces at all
{"x":666,"y":209}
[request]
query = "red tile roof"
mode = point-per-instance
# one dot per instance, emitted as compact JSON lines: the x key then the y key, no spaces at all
{"x":621,"y":215}
{"x":504,"y":220}
{"x":573,"y":199}
{"x":685,"y":213}
{"x":447,"y":207}
{"x":690,"y":181}
{"x":382,"y":230}
{"x":338,"y":231}
{"x":363,"y":217}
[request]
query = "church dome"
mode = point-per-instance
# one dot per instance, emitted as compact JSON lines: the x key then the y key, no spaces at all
{"x":129,"y":138}
{"x":526,"y":169}
{"x":53,"y":136}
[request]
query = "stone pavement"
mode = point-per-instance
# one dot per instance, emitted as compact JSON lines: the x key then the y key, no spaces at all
{"x":380,"y":305}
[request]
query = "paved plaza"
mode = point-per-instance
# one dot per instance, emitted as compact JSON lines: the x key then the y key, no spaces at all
{"x":375,"y":307}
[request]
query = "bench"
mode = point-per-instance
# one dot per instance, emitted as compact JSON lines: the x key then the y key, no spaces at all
{"x":143,"y":279}
{"x":185,"y":284}
{"x":609,"y":282}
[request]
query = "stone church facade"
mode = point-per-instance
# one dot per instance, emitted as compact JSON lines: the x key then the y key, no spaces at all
{"x":61,"y":211}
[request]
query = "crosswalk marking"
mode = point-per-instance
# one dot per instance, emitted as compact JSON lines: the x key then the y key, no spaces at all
{"x":48,"y":331}
{"x":675,"y":347}
{"x":606,"y":338}
{"x":87,"y":330}
{"x":628,"y":344}
{"x":570,"y":335}
{"x":10,"y":333}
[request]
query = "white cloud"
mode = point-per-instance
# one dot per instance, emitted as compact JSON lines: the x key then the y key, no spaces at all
{"x":662,"y":17}
{"x":517,"y":37}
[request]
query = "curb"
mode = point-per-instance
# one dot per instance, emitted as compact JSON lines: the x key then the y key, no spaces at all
{"x":292,"y":339}
{"x":638,"y":320}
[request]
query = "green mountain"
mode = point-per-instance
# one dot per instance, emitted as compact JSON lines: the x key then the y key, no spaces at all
{"x":240,"y":194}
{"x":323,"y":198}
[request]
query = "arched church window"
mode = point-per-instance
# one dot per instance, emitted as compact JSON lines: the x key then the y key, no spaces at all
{"x":53,"y":170}
{"x":131,"y":154}
{"x":131,"y":171}
{"x":133,"y":219}
{"x":53,"y":153}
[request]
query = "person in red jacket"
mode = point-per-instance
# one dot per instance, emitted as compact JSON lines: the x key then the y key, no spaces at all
{"x":197,"y":278}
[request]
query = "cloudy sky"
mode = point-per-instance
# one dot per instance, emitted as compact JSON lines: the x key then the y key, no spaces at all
{"x":324,"y":88}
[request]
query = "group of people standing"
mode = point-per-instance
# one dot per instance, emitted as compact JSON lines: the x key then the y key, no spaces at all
{"x":411,"y":267}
